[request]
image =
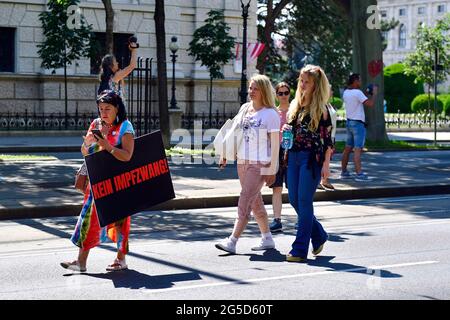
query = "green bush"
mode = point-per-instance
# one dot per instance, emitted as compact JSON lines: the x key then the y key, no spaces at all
{"x":399,"y":89}
{"x":337,"y":103}
{"x":420,"y":103}
{"x":445,"y":98}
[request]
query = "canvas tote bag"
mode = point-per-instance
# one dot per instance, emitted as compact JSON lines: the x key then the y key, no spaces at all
{"x":229,"y":137}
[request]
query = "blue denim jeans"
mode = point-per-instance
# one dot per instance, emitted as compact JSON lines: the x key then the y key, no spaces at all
{"x":301,"y":187}
{"x":356,"y":134}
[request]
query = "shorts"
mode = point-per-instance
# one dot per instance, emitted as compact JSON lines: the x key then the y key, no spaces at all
{"x":356,"y":134}
{"x":281,"y":175}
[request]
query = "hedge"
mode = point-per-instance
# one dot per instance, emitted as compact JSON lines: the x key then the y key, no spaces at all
{"x":399,"y":89}
{"x":445,"y":98}
{"x":420,"y":103}
{"x":337,"y":103}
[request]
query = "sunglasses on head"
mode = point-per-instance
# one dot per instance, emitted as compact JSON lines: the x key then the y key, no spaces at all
{"x":283,"y":93}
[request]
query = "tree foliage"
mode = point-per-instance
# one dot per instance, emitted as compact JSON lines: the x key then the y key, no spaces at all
{"x":388,"y":25}
{"x":420,"y":63}
{"x":212,"y":44}
{"x":311,"y":32}
{"x":322,"y":34}
{"x":271,"y":15}
{"x":62,"y":45}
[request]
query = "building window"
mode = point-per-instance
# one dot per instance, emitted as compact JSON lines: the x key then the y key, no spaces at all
{"x":402,"y":36}
{"x":121,"y":51}
{"x":402,"y":12}
{"x":441,"y":8}
{"x":421,"y":10}
{"x":7,"y":49}
{"x":383,"y":13}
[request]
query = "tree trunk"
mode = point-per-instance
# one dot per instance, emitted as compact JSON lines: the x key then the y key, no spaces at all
{"x":368,"y":61}
{"x":109,"y":19}
{"x":163,"y":102}
{"x":210,"y":100}
{"x":272,"y":15}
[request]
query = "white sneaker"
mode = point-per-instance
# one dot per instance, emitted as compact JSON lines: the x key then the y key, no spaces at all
{"x":227,"y":245}
{"x":265,"y":244}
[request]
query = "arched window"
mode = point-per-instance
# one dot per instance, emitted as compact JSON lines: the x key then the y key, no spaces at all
{"x":402,"y":36}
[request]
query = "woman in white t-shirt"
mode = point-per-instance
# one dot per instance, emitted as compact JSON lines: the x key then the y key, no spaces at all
{"x":257,"y":161}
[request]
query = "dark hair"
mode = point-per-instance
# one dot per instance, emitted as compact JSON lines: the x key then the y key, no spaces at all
{"x":106,"y":72}
{"x":111,"y":97}
{"x":282,"y":85}
{"x":353,"y":77}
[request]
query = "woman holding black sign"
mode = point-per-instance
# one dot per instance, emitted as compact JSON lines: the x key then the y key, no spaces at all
{"x":112,"y":132}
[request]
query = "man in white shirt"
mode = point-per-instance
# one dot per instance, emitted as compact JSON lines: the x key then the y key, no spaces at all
{"x":354,"y":101}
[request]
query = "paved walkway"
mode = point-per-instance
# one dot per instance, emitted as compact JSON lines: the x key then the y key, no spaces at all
{"x":44,"y":188}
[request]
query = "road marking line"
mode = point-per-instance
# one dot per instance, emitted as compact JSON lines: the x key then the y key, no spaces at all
{"x":303,"y":275}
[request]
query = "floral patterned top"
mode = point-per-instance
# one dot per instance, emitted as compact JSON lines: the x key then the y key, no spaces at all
{"x":317,"y":142}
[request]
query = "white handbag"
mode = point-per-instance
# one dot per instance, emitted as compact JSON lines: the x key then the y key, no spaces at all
{"x":229,"y":138}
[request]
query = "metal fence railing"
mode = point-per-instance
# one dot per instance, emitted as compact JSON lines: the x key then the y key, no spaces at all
{"x":146,"y":122}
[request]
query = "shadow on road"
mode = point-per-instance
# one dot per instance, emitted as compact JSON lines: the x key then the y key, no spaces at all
{"x":325,"y":262}
{"x":132,"y":279}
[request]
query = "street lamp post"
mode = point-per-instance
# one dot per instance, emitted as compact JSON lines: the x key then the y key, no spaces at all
{"x":244,"y":53}
{"x":174,"y":48}
{"x":437,"y":67}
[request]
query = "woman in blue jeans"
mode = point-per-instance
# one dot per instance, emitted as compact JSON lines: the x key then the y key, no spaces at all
{"x":309,"y":158}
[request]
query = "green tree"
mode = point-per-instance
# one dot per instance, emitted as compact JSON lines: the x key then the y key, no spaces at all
{"x":388,"y":26}
{"x":270,"y":15}
{"x":420,"y":63}
{"x":316,"y":29}
{"x":66,"y":38}
{"x":212,"y":45}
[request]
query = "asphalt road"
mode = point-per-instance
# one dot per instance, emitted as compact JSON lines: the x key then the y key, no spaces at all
{"x":397,"y":248}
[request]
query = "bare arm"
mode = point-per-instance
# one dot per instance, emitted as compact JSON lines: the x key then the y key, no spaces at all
{"x":123,"y":154}
{"x":275,"y":149}
{"x":326,"y":164}
{"x":370,"y":102}
{"x":119,"y":75}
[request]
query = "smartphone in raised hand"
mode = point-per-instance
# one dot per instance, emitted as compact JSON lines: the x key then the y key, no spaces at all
{"x":97,"y":134}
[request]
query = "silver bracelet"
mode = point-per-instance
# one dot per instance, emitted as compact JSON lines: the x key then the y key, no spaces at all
{"x":112,"y":150}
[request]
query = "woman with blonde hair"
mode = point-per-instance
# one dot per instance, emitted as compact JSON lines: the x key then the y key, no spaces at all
{"x":257,"y":161}
{"x":309,"y":157}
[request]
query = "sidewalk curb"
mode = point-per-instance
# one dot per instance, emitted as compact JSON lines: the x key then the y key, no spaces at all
{"x":232,"y":200}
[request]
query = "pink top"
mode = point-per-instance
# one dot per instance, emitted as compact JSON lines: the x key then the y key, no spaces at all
{"x":283,"y":120}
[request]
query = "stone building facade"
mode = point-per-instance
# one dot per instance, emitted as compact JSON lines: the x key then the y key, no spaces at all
{"x":410,"y":14}
{"x":24,"y":85}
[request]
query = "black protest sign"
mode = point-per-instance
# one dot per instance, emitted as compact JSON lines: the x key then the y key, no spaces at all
{"x":121,"y":189}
